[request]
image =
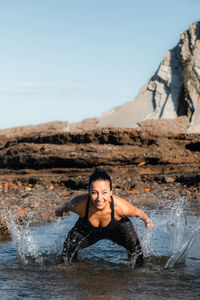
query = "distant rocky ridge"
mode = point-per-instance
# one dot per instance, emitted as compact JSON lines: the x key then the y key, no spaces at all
{"x":173,"y":91}
{"x":25,"y":130}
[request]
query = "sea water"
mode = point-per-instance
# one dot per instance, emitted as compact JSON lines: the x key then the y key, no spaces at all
{"x":30,"y":268}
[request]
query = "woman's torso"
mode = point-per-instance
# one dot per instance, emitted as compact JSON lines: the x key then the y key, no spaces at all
{"x":97,"y":218}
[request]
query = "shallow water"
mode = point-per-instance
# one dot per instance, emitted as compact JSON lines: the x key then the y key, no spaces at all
{"x":29,"y":266}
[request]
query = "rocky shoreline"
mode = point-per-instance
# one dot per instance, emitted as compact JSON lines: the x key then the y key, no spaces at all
{"x":40,"y":169}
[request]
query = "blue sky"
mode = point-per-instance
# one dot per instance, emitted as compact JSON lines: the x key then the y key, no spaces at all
{"x":68,"y":60}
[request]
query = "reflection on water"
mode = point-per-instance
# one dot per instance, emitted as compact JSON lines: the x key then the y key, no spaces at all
{"x":29,"y":264}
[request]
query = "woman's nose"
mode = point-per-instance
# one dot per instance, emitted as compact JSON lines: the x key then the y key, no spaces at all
{"x":100,"y":196}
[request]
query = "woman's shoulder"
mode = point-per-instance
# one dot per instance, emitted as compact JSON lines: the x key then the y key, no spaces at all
{"x":119,"y":200}
{"x":121,"y":205}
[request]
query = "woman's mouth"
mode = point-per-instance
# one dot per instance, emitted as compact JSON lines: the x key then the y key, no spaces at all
{"x":99,"y":203}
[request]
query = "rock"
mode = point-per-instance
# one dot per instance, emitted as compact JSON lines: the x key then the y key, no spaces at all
{"x":145,"y":149}
{"x":51,"y":127}
{"x":177,"y":126}
{"x":4,"y":232}
{"x":87,"y":124}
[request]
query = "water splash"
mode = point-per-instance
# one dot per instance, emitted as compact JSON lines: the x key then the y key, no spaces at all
{"x":41,"y":244}
{"x":20,"y":230}
{"x":173,"y":234}
{"x":183,"y":235}
{"x":180,"y":255}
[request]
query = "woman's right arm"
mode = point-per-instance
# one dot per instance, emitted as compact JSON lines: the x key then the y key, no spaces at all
{"x":75,"y":205}
{"x":60,"y":210}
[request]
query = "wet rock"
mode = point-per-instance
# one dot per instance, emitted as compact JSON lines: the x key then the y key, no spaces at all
{"x":144,"y":149}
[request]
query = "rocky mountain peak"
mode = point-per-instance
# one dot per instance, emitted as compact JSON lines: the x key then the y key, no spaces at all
{"x":173,"y":91}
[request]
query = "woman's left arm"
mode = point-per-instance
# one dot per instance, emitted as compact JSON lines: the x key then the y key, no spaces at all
{"x":129,"y":210}
{"x":136,"y":212}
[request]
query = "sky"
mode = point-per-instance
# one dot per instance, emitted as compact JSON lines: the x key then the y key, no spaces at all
{"x":67,"y":60}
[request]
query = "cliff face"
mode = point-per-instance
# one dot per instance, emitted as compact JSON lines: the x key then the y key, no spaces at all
{"x":173,"y":91}
{"x":190,"y":53}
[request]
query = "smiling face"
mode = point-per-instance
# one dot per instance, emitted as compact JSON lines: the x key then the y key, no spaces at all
{"x":100,"y":193}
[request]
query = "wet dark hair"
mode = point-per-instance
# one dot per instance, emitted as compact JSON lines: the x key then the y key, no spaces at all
{"x":100,"y":174}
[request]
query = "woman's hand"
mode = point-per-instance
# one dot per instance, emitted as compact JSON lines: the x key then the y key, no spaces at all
{"x":64,"y":209}
{"x":149,"y":224}
{"x":59,"y":211}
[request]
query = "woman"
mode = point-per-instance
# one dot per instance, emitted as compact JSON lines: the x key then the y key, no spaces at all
{"x":102,"y":215}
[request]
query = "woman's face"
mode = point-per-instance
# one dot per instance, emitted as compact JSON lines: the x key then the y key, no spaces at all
{"x":100,"y":193}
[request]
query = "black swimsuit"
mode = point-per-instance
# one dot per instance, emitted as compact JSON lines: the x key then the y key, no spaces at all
{"x":84,"y":234}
